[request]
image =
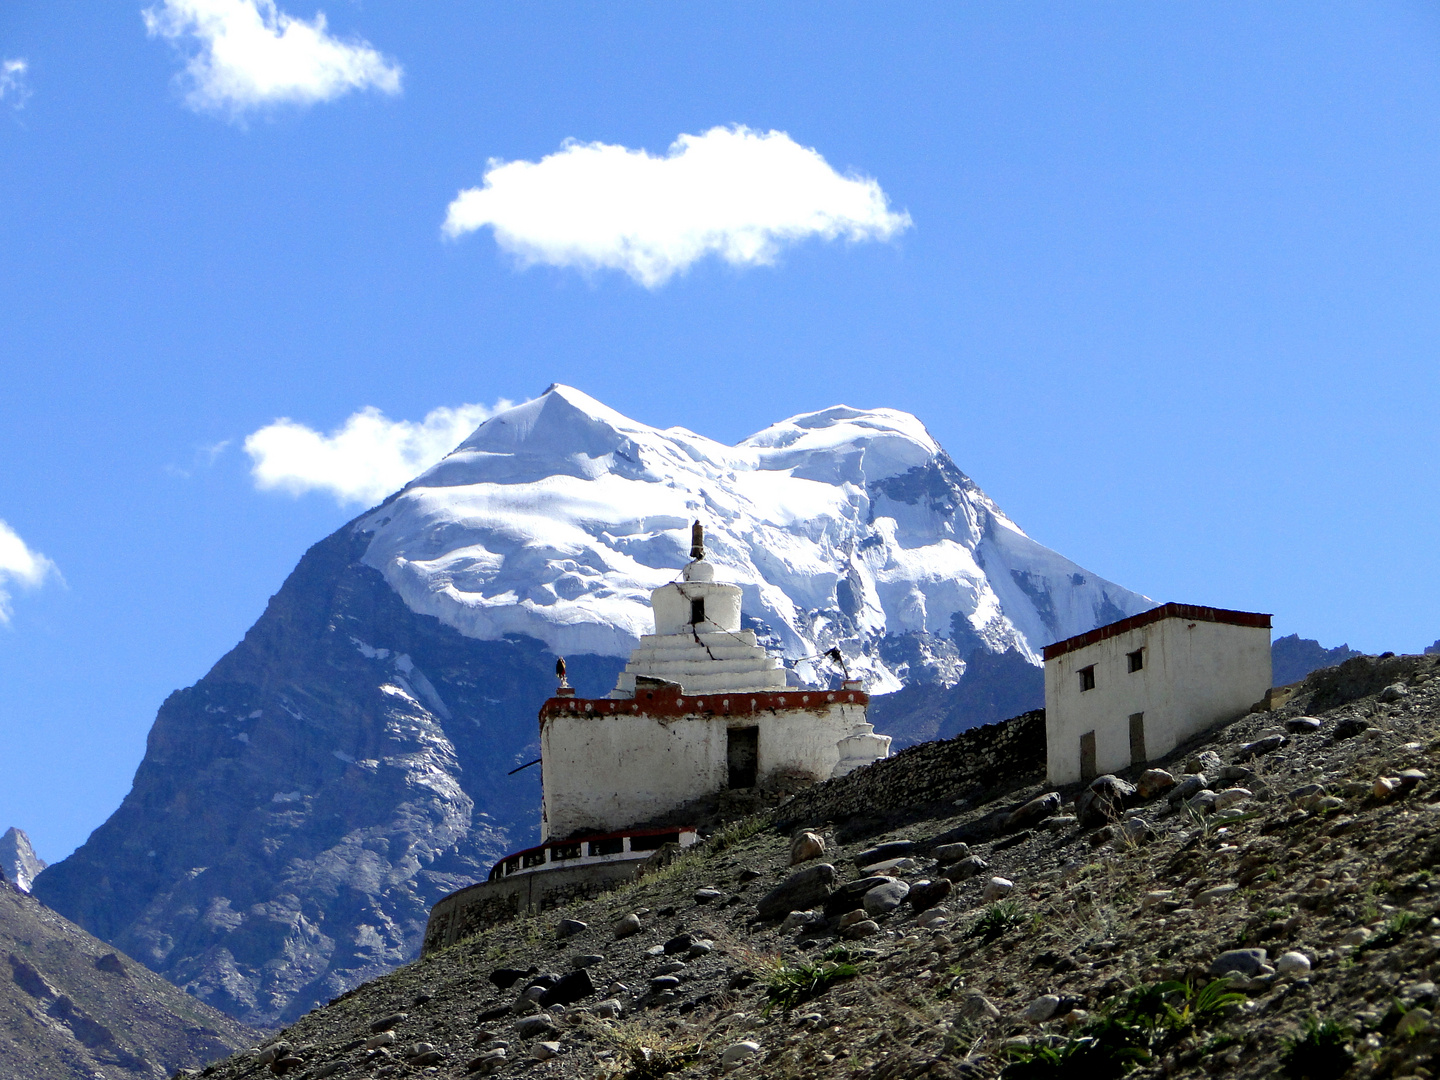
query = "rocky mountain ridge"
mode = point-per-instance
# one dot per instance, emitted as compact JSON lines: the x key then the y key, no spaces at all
{"x":1262,"y":903}
{"x":72,"y":1008}
{"x":19,"y":865}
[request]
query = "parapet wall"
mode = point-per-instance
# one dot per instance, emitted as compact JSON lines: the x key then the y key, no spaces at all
{"x":463,"y":913}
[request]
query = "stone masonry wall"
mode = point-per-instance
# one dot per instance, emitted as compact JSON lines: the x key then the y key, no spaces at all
{"x":977,"y":764}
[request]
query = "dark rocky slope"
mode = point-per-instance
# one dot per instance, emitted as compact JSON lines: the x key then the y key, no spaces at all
{"x":300,"y":808}
{"x":1319,"y":854}
{"x":71,"y":1008}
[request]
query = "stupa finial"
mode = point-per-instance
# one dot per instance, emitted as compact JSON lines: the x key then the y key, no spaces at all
{"x":697,"y":541}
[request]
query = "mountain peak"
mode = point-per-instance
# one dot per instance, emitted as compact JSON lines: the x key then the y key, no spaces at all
{"x":556,"y":518}
{"x":19,"y":864}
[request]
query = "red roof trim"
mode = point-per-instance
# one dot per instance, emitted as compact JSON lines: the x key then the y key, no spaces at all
{"x":671,"y":701}
{"x":1190,"y":612}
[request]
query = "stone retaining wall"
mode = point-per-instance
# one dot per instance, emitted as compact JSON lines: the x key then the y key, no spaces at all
{"x":978,"y":764}
{"x":486,"y":903}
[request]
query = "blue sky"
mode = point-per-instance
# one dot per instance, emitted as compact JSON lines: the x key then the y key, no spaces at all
{"x":1167,"y":290}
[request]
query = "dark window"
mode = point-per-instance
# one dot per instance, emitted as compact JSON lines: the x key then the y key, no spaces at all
{"x":1137,"y":739}
{"x":1087,"y":757}
{"x":533,"y":858}
{"x":697,"y":610}
{"x":511,"y":865}
{"x":1087,"y":678}
{"x":613,"y":846}
{"x":564,"y":851}
{"x":742,"y":755}
{"x":1136,"y":658}
{"x":653,"y":843}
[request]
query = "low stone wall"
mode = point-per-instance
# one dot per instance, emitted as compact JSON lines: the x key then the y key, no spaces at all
{"x":486,"y":903}
{"x":975,"y":765}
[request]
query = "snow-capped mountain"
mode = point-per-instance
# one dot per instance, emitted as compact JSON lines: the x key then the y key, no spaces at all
{"x":556,"y":518}
{"x":348,"y":763}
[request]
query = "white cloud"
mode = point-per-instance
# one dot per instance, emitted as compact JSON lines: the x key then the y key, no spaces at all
{"x":731,"y":192}
{"x":14,"y":86}
{"x":365,"y":458}
{"x":19,"y":565}
{"x":247,"y":54}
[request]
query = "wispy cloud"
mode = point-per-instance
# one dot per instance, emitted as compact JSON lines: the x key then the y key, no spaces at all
{"x":731,"y":192}
{"x":19,"y":566}
{"x":365,"y":458}
{"x":248,"y":54}
{"x":14,"y":82}
{"x":203,"y":458}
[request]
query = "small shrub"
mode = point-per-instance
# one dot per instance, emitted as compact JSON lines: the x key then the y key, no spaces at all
{"x":999,"y":917}
{"x":789,"y":985}
{"x":1319,"y":1052}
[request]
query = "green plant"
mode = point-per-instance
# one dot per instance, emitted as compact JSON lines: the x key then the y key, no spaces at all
{"x":1129,"y":1029}
{"x":999,"y":917}
{"x":788,"y":985}
{"x":1319,"y":1052}
{"x":1396,"y":926}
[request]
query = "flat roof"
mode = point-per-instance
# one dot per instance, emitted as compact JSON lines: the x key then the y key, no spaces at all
{"x":1188,"y":612}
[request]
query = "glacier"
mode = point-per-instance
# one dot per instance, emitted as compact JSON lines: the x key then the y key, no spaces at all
{"x":842,"y":527}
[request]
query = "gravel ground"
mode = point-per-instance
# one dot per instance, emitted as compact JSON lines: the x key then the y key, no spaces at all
{"x":1289,"y":846}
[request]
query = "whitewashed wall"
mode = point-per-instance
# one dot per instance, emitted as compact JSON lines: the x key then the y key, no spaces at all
{"x":1196,"y":674}
{"x":604,"y":774}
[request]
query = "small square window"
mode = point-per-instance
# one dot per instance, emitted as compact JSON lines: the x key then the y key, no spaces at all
{"x":1087,"y":678}
{"x":1137,"y":659}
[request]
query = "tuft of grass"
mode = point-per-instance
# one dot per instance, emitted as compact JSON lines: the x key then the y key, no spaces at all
{"x":999,"y":918}
{"x":1396,"y":927}
{"x":789,"y":985}
{"x":737,"y":832}
{"x":1127,"y":1033}
{"x":1320,"y":1052}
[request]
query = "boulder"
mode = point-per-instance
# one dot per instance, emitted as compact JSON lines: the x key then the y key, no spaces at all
{"x":1104,"y":800}
{"x":1260,"y":747}
{"x":1189,"y":784}
{"x":1034,"y":811}
{"x":737,"y":1054}
{"x":848,"y":896}
{"x":1153,"y":782}
{"x":1243,"y":961}
{"x":966,"y":868}
{"x":802,"y":889}
{"x":628,"y":926}
{"x":883,"y":899}
{"x":504,"y":978}
{"x":806,"y":846}
{"x":1042,"y":1008}
{"x":574,"y":987}
{"x":895,"y":849}
{"x":924,"y":895}
{"x":950,"y":853}
{"x":997,"y":888}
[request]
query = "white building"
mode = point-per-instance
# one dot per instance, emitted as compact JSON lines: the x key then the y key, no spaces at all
{"x":699,"y":708}
{"x":1132,"y":691}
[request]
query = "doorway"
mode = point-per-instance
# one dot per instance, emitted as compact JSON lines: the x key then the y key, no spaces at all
{"x":742,"y":755}
{"x":1087,"y":757}
{"x":1137,"y":739}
